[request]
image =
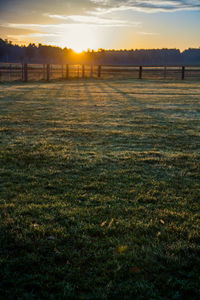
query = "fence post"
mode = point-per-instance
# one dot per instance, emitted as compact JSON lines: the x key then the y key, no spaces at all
{"x":140,"y":72}
{"x":10,"y":71}
{"x":99,"y":71}
{"x":91,"y":71}
{"x":48,"y":72}
{"x":67,"y":71}
{"x":83,"y":71}
{"x":43,"y":71}
{"x":25,"y":72}
{"x":78,"y":72}
{"x":165,"y":72}
{"x":183,"y":73}
{"x":62,"y":68}
{"x":22,"y":72}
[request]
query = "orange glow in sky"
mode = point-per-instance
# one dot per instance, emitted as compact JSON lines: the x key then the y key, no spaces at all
{"x":91,"y":24}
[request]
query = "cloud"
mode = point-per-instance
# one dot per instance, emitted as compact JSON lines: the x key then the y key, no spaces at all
{"x":32,"y":26}
{"x":24,"y":36}
{"x":94,"y":20}
{"x":81,"y":7}
{"x":14,"y":8}
{"x":108,"y":6}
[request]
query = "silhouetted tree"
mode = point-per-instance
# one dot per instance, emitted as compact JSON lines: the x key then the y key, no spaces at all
{"x":30,"y":51}
{"x":53,"y":54}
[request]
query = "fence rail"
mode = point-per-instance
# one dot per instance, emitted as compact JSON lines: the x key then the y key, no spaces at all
{"x":26,"y":72}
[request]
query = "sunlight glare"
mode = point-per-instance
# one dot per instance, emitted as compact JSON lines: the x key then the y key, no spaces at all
{"x":80,"y":38}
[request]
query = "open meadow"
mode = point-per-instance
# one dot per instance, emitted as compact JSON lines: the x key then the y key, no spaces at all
{"x":100,"y":190}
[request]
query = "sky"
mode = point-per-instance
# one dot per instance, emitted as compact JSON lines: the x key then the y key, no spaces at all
{"x":109,"y":24}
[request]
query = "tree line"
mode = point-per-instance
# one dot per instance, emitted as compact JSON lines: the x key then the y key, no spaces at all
{"x":40,"y":53}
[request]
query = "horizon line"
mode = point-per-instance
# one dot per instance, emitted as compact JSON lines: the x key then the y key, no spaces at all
{"x":37,"y":44}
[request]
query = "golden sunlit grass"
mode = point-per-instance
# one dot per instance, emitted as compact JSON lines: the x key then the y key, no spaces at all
{"x":100,"y":190}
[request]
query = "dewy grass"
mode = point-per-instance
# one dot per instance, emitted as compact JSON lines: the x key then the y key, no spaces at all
{"x":100,"y":190}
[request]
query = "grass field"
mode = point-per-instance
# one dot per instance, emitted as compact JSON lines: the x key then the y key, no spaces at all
{"x":100,"y":190}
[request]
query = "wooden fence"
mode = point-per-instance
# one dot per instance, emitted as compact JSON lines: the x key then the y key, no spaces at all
{"x":47,"y":72}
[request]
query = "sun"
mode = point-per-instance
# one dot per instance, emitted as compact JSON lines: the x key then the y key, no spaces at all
{"x":79,"y":49}
{"x":80,"y":38}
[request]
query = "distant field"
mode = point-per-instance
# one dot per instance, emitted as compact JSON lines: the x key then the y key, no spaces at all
{"x":100,"y":190}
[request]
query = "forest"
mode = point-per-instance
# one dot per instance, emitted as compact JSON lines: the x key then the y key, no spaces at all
{"x":40,"y":53}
